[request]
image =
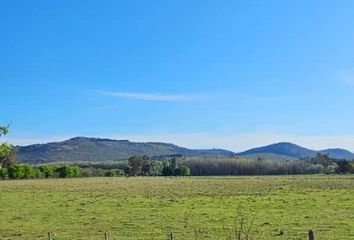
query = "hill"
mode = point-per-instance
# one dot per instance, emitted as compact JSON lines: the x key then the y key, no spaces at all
{"x":286,"y":150}
{"x":96,"y":150}
{"x":338,"y":153}
{"x":82,"y":149}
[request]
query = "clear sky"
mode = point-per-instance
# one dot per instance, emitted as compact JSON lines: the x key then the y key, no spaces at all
{"x":224,"y":74}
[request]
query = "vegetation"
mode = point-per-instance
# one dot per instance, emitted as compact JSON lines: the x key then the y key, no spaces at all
{"x":281,"y":207}
{"x":22,"y":171}
{"x":182,"y":166}
{"x":289,"y":151}
{"x":136,"y":166}
{"x":7,"y":151}
{"x":81,"y":149}
{"x":239,"y":166}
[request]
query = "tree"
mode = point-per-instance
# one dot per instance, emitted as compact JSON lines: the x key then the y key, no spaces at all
{"x":344,"y":166}
{"x":135,"y":164}
{"x":7,"y":151}
{"x":68,"y":171}
{"x":170,"y":168}
{"x":323,"y":159}
{"x":146,"y":166}
{"x":48,"y":171}
{"x":185,"y":171}
{"x":16,"y":171}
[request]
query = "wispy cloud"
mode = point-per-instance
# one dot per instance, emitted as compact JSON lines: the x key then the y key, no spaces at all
{"x":151,"y":96}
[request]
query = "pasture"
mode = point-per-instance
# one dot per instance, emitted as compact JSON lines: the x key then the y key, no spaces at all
{"x":272,"y":207}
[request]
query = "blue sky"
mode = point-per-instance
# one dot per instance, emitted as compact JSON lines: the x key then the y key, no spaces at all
{"x":225,"y":74}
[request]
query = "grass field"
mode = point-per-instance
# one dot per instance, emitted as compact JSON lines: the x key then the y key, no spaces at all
{"x":191,"y":208}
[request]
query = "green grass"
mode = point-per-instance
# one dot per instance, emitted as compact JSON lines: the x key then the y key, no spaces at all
{"x":200,"y":207}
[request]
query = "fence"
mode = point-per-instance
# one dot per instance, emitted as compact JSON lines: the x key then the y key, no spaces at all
{"x":311,"y":236}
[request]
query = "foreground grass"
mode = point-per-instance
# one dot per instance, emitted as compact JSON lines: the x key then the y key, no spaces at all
{"x":191,"y":208}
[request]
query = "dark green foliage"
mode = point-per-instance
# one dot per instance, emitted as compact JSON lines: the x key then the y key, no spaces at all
{"x":113,"y":173}
{"x":48,"y":171}
{"x":236,"y":166}
{"x":3,"y":173}
{"x":68,"y":171}
{"x":145,"y":166}
{"x":16,"y":171}
{"x":185,"y":171}
{"x":4,"y":130}
{"x":169,"y":167}
{"x":344,"y":166}
{"x":20,"y":171}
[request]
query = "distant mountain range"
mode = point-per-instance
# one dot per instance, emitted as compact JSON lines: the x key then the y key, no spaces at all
{"x":82,"y":149}
{"x":290,"y":150}
{"x":98,"y":149}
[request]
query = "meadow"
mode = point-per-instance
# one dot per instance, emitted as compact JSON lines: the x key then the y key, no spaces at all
{"x":270,"y":207}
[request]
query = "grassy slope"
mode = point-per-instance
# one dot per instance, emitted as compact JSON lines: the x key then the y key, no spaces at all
{"x":148,"y":208}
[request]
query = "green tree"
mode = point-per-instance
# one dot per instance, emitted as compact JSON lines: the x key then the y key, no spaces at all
{"x":16,"y":171}
{"x":68,"y":171}
{"x":170,"y":168}
{"x":136,"y":164}
{"x":47,"y":171}
{"x":185,"y":171}
{"x":3,"y":173}
{"x":344,"y":166}
{"x":7,"y":151}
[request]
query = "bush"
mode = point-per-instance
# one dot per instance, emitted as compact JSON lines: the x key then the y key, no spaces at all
{"x":68,"y":171}
{"x":16,"y":171}
{"x":88,"y":172}
{"x":185,"y":171}
{"x":3,"y":173}
{"x":47,"y":171}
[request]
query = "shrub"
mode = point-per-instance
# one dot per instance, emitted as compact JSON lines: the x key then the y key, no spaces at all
{"x":185,"y":171}
{"x":16,"y":171}
{"x":47,"y":171}
{"x":3,"y":173}
{"x":68,"y":171}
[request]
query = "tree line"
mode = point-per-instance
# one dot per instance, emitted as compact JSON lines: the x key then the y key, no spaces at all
{"x":235,"y":166}
{"x":135,"y":166}
{"x":170,"y":166}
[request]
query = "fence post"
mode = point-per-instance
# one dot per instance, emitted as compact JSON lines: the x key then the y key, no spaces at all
{"x":50,"y":236}
{"x":106,"y":237}
{"x":311,"y":235}
{"x":170,"y":237}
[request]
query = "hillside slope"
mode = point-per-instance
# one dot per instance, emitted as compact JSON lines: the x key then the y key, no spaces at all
{"x":284,"y":149}
{"x":289,"y":151}
{"x":96,"y":149}
{"x":338,"y":153}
